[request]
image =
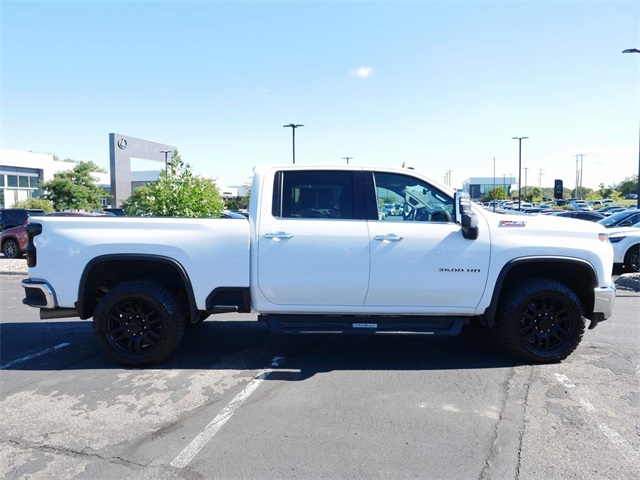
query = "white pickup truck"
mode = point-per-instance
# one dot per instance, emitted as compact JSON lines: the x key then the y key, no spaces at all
{"x":328,"y":249}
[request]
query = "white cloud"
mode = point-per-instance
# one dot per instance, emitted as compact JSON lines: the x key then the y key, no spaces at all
{"x":362,"y":72}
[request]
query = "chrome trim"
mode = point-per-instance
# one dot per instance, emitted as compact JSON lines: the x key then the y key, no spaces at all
{"x":603,"y":299}
{"x":46,"y":290}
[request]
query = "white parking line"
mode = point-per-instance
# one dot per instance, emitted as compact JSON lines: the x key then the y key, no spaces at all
{"x":614,"y":437}
{"x":34,"y":355}
{"x":216,"y":424}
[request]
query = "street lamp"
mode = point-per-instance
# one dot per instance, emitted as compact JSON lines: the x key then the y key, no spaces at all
{"x":293,"y":127}
{"x":635,"y":50}
{"x":347,"y":159}
{"x":166,"y":164}
{"x":519,"y":167}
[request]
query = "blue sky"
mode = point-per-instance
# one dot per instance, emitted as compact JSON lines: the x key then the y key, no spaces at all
{"x":436,"y":85}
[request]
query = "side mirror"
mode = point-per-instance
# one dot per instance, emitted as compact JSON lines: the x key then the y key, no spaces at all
{"x":465,"y":216}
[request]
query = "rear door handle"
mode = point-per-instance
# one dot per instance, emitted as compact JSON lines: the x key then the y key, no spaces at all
{"x":389,"y":237}
{"x":278,"y":235}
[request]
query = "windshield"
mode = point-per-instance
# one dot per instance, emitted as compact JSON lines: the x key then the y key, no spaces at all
{"x":615,"y":218}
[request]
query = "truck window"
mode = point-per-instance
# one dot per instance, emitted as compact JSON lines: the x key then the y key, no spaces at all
{"x":316,"y":194}
{"x":401,"y":198}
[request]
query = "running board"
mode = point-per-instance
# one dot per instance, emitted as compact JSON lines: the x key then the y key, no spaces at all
{"x":358,"y":325}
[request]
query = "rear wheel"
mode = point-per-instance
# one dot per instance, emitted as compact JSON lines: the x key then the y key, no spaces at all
{"x":632,"y":259}
{"x":540,"y":320}
{"x":138,"y":323}
{"x":10,"y":248}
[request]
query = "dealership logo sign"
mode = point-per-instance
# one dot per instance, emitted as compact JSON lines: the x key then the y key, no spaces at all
{"x":122,"y":143}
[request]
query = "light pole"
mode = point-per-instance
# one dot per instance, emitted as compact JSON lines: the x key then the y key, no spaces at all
{"x":449,"y":177}
{"x":166,"y":164}
{"x":293,"y":127}
{"x":519,"y":166}
{"x":635,"y":50}
{"x":347,"y":159}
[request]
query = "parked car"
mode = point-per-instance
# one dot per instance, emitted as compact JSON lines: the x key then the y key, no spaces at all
{"x":580,"y":205}
{"x":626,"y":247}
{"x":610,"y":210}
{"x":230,"y":214}
{"x":13,"y":217}
{"x":631,"y":196}
{"x":13,"y":241}
{"x":580,"y":215}
{"x":625,"y":218}
{"x":118,"y":212}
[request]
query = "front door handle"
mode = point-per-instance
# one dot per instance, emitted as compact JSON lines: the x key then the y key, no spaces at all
{"x":278,"y":235}
{"x":389,"y":237}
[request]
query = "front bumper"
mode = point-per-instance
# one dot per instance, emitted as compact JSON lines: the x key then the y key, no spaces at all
{"x":603,"y":299}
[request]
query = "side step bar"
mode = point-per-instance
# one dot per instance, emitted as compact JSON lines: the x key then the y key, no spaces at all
{"x":357,"y":325}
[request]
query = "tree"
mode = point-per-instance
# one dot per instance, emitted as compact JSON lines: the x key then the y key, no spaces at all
{"x":628,"y":185}
{"x":534,"y":194}
{"x":177,"y":193}
{"x":75,"y":189}
{"x":36,"y":203}
{"x":246,"y":200}
{"x":498,"y":193}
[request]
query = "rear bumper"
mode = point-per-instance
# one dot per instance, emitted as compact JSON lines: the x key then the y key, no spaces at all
{"x":38,"y":294}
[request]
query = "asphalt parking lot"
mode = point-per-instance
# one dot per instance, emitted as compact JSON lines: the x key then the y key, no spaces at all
{"x":238,"y":402}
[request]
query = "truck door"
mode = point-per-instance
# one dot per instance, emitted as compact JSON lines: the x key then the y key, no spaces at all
{"x":419,"y":257}
{"x":313,"y":247}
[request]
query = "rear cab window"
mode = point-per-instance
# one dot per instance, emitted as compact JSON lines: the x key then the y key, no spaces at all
{"x":319,"y":194}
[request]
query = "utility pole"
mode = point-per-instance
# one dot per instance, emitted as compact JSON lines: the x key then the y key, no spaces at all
{"x":449,"y":177}
{"x":635,"y":50}
{"x":347,"y":159}
{"x":293,"y":127}
{"x":494,"y":184}
{"x":540,"y":174}
{"x":525,"y":181}
{"x":519,"y":165}
{"x":579,"y":158}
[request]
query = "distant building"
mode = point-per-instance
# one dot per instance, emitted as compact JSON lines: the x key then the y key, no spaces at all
{"x":478,"y":187}
{"x":21,"y":172}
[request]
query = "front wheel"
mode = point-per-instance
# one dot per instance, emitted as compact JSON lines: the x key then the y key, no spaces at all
{"x":11,"y":249}
{"x":138,"y":323}
{"x":632,"y":259}
{"x":540,"y":320}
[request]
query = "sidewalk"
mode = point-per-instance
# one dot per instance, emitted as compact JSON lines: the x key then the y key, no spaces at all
{"x":13,"y":266}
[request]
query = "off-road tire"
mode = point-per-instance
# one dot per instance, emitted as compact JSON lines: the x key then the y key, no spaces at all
{"x":138,"y":323}
{"x":540,"y":320}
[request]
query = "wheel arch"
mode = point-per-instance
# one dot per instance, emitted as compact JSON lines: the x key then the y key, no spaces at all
{"x":107,"y":271}
{"x":577,"y":274}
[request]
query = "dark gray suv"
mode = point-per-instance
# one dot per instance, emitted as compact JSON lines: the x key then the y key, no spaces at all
{"x":14,"y":217}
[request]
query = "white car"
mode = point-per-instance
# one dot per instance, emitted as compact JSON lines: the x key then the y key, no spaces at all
{"x":626,"y":247}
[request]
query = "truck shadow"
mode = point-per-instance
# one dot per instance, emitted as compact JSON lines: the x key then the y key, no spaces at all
{"x":248,"y":345}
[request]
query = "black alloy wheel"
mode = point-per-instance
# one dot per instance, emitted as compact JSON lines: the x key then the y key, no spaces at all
{"x":541,"y":320}
{"x":138,"y":323}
